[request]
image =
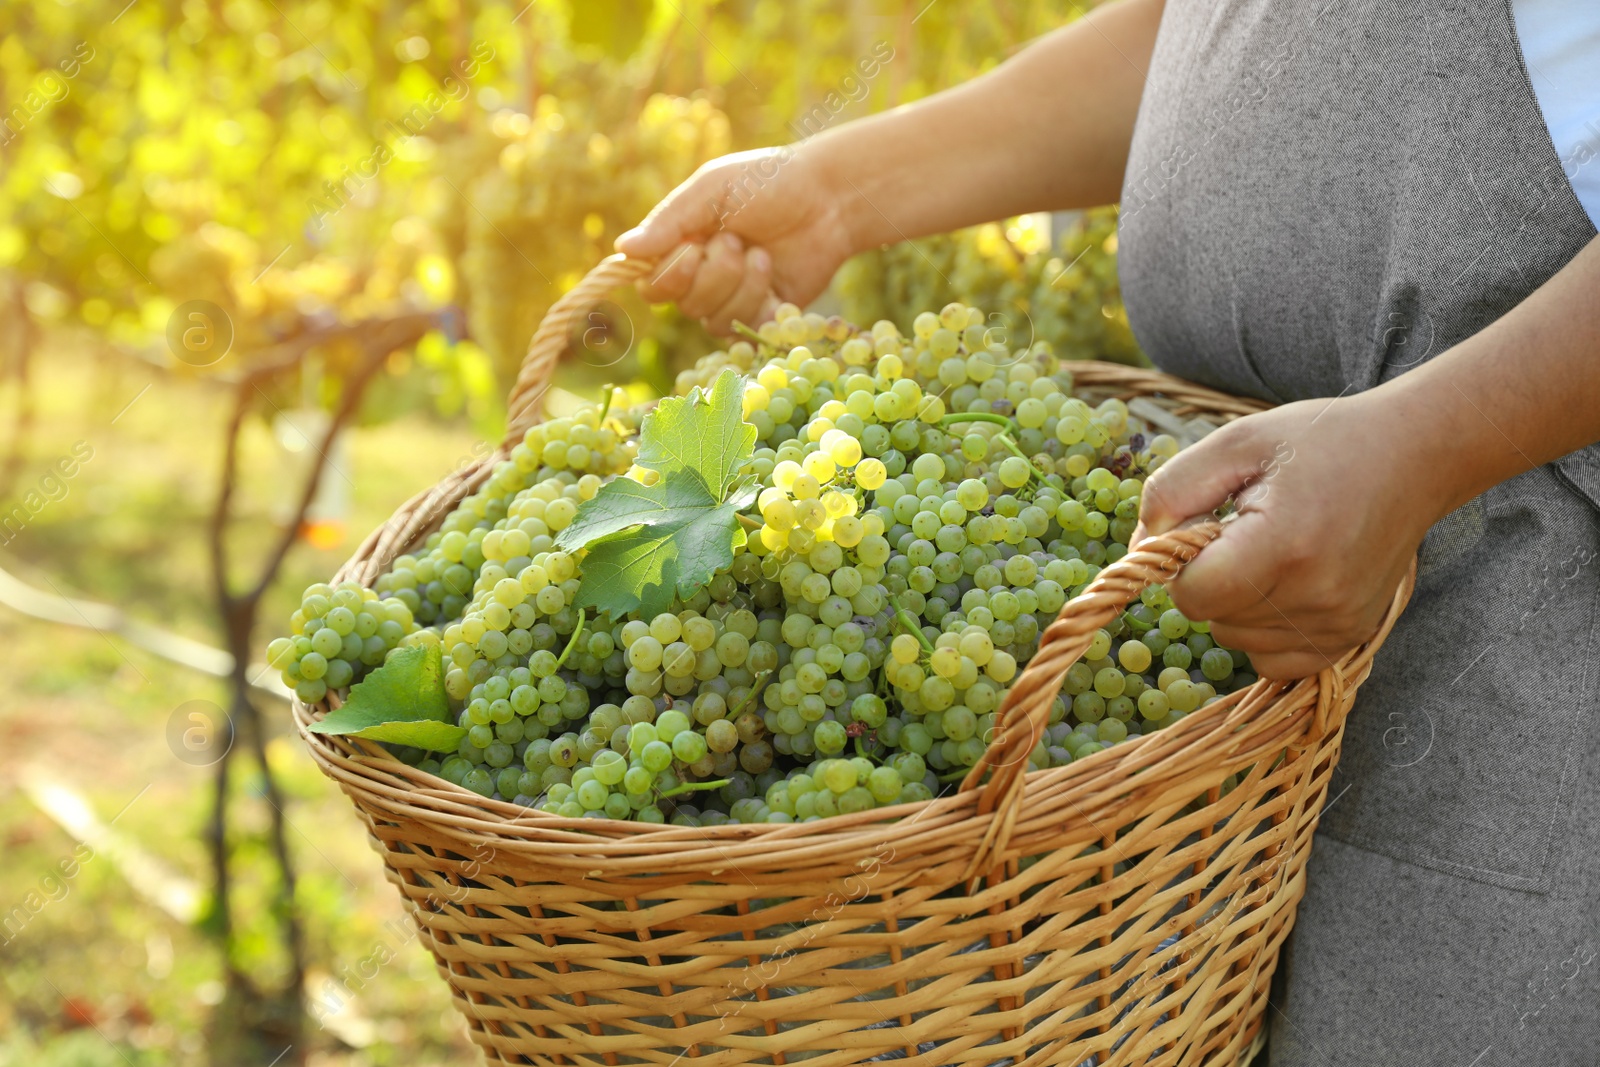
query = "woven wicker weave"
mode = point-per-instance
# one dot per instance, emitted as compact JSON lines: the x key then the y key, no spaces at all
{"x":1123,"y":910}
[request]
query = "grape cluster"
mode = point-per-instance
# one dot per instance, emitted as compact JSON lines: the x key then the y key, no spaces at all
{"x":927,"y":505}
{"x":1067,"y":296}
{"x":602,"y":153}
{"x":489,"y":536}
{"x":339,"y":634}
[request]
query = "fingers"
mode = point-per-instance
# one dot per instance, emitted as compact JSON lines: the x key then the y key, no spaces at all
{"x":1258,"y":640}
{"x":1228,"y":578}
{"x":722,"y":268}
{"x":673,"y":277}
{"x":1288,"y":666}
{"x":752,"y":302}
{"x":1198,"y":479}
{"x":692,"y":210}
{"x":718,"y":282}
{"x":1281,"y":653}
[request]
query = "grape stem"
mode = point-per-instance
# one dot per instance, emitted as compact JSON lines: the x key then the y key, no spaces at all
{"x":761,"y":681}
{"x":976,"y":416}
{"x":748,"y":522}
{"x":605,"y":405}
{"x":695,"y":787}
{"x":1011,"y":446}
{"x":747,"y":333}
{"x":909,"y":621}
{"x":572,"y":643}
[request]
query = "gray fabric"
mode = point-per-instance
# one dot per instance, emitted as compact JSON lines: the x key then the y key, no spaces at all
{"x":1319,"y":197}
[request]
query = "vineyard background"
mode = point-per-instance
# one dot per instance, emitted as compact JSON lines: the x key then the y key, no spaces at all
{"x":368,"y":206}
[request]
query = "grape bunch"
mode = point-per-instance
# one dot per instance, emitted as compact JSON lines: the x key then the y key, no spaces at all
{"x":468,"y":557}
{"x":339,"y":634}
{"x":924,"y":506}
{"x":1067,"y":296}
{"x":600,"y":151}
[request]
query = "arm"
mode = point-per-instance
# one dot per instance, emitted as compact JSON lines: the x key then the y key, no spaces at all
{"x":1326,"y":535}
{"x":1048,"y":129}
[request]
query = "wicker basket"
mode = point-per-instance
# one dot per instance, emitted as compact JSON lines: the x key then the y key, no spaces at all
{"x":1122,"y":910}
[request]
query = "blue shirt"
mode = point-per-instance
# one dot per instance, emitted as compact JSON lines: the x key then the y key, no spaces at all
{"x":1560,"y":42}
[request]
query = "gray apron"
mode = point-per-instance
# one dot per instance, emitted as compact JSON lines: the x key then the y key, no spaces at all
{"x":1320,"y":196}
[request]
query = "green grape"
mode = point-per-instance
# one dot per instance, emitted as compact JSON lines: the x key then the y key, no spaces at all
{"x":830,"y":738}
{"x":837,"y":775}
{"x":609,"y":767}
{"x":885,"y":785}
{"x":1216,"y":664}
{"x":1173,"y":624}
{"x":593,"y":795}
{"x":656,"y":756}
{"x":689,"y":747}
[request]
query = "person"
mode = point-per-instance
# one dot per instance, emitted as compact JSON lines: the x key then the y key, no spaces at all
{"x":1381,"y":217}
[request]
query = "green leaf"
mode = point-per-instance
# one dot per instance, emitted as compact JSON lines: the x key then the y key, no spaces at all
{"x":703,"y":433}
{"x":647,"y":544}
{"x":644,"y":568}
{"x":617,"y":26}
{"x":403,"y":701}
{"x":420,"y":733}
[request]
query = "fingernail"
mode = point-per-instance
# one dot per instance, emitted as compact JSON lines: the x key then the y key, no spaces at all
{"x":761,"y":260}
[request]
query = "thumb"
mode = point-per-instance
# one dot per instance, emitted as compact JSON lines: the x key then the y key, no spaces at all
{"x":690,"y":213}
{"x":1196,"y":481}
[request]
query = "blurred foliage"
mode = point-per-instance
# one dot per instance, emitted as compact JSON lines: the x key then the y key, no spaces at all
{"x":1063,"y":292}
{"x":306,"y":164}
{"x":564,"y":184}
{"x":301,"y":163}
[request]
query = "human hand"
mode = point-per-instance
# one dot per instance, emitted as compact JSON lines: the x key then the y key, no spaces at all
{"x":744,"y":232}
{"x":1331,"y":512}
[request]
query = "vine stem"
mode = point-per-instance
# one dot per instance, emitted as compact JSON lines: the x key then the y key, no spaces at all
{"x":572,"y":642}
{"x":909,"y":621}
{"x":605,"y":405}
{"x":747,"y":333}
{"x":976,"y":416}
{"x":748,"y":522}
{"x":1011,"y":446}
{"x":694,"y":787}
{"x":761,"y":681}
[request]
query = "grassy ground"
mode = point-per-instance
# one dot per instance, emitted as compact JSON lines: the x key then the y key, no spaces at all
{"x":92,"y":970}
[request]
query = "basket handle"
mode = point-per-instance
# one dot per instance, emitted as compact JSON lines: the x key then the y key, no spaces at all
{"x":551,"y":338}
{"x":1022,"y":718}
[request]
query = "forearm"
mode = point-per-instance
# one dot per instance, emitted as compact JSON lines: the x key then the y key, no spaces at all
{"x":1047,"y":130}
{"x":1520,"y":393}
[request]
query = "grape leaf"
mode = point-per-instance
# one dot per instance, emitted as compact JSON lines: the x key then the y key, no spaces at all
{"x":644,"y":568}
{"x":430,"y":734}
{"x":647,"y":544}
{"x":703,"y":433}
{"x":403,"y":702}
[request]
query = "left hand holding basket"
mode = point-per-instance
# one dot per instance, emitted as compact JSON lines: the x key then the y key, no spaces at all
{"x":1330,"y":515}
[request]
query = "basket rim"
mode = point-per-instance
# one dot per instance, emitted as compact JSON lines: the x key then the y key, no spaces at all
{"x":1207,"y":745}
